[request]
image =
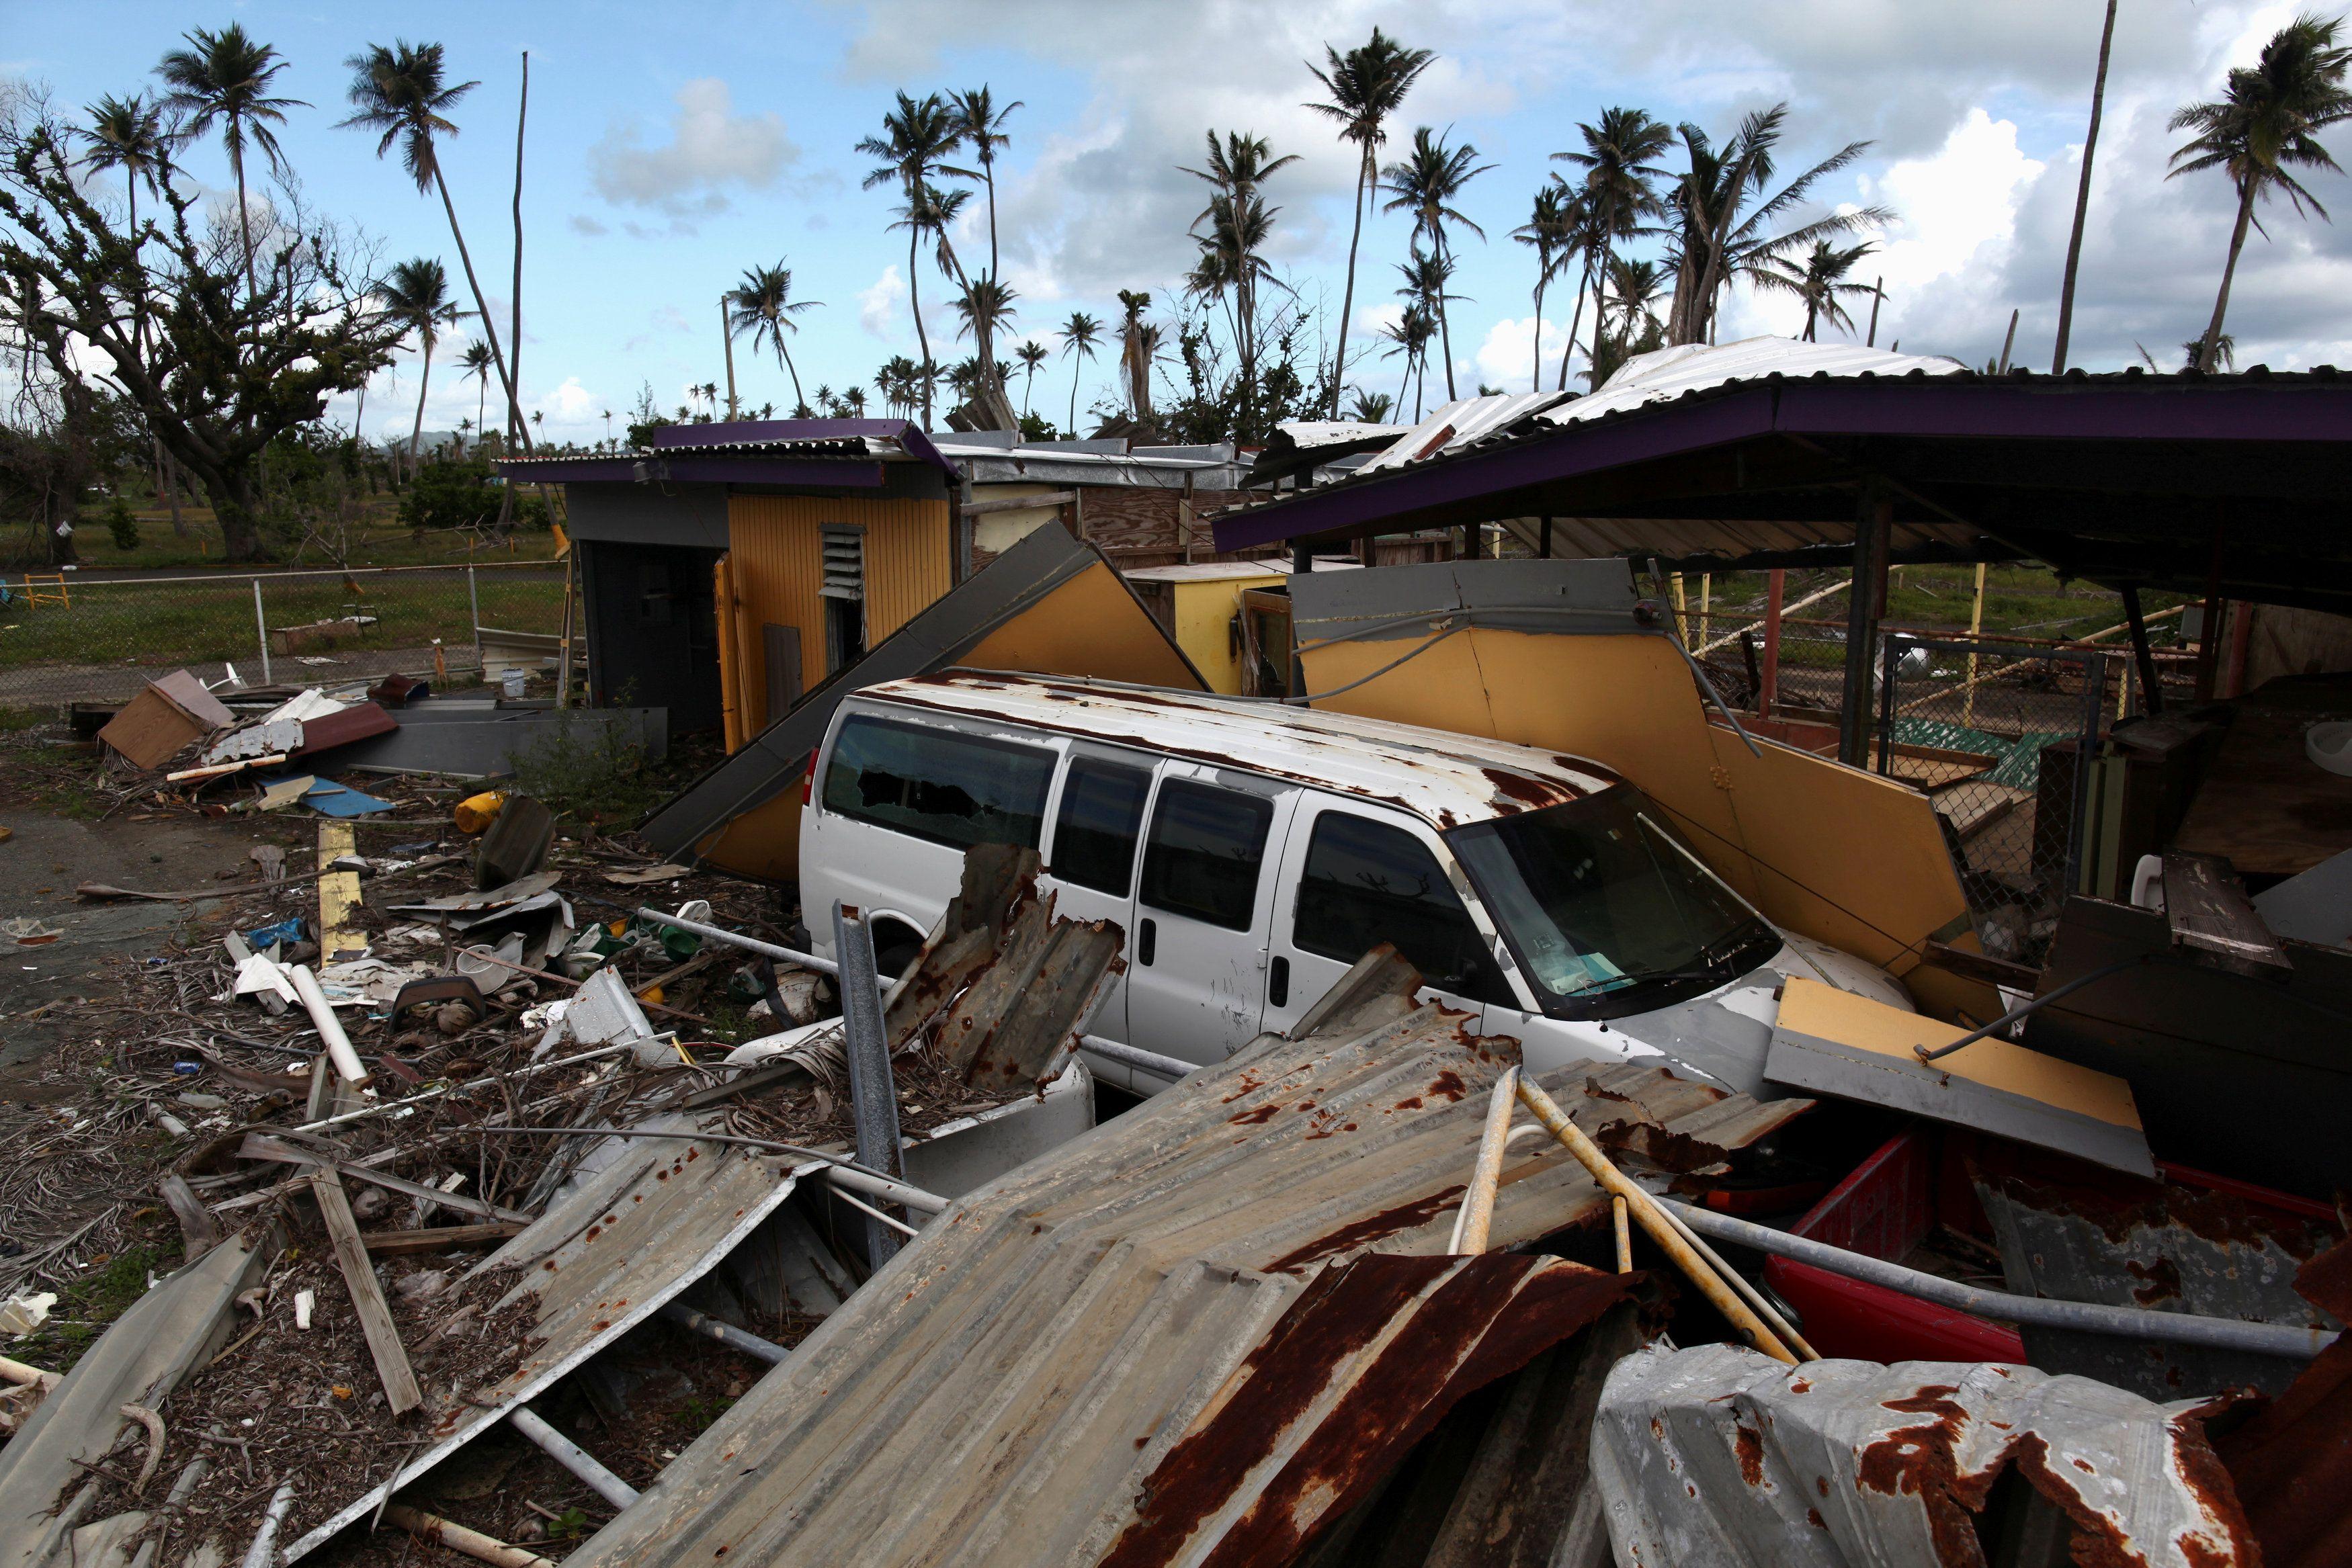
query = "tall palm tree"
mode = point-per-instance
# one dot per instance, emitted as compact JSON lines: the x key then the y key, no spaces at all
{"x":1139,"y":346}
{"x":855,"y":399}
{"x":416,"y":295}
{"x":986,"y":306}
{"x":1621,"y":170}
{"x":401,"y":94}
{"x":1031,"y":354}
{"x":1426,"y":182}
{"x":1555,"y":230}
{"x":129,"y":134}
{"x":2082,"y":196}
{"x":1712,"y":244}
{"x":1820,"y":280}
{"x":981,"y":127}
{"x":476,"y":362}
{"x":763,"y":306}
{"x":1409,"y":335}
{"x":1232,"y":232}
{"x":916,"y":137}
{"x":1366,"y":86}
{"x":2267,"y":119}
{"x":608,"y":427}
{"x":225,"y":77}
{"x":1080,"y":333}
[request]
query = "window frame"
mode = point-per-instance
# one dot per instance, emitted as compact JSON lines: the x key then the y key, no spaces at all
{"x":1490,"y":984}
{"x":1039,"y":748}
{"x":1144,"y":766}
{"x":1262,"y":803}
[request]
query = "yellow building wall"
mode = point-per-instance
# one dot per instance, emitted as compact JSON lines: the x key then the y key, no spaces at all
{"x":1204,"y":626}
{"x":776,"y":552}
{"x":1831,"y":852}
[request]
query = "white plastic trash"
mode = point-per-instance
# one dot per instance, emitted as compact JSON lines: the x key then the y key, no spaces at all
{"x":2330,"y":746}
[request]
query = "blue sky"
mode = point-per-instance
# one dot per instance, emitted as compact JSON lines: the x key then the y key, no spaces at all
{"x":670,"y":149}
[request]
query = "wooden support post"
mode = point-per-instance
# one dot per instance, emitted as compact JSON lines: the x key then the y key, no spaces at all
{"x":2151,"y":695}
{"x":359,"y":1276}
{"x":873,"y":1095}
{"x":2209,"y":636}
{"x":1768,"y":693}
{"x":2242,"y":634}
{"x":1976,"y":628}
{"x":1543,"y":547}
{"x":1873,"y":523}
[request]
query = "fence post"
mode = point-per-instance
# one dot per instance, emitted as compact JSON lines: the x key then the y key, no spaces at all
{"x":474,"y":601}
{"x":261,"y":629}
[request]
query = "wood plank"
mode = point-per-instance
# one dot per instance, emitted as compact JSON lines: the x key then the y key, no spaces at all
{"x":199,"y":1231}
{"x":2211,"y":917}
{"x":262,"y":1146}
{"x":367,"y":1296}
{"x":339,"y":895}
{"x":1981,"y":967}
{"x":441,"y":1238}
{"x":1019,"y":503}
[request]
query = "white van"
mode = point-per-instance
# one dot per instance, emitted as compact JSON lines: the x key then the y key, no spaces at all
{"x":1252,"y":851}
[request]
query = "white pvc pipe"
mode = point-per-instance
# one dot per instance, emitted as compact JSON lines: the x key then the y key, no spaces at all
{"x":330,"y":1027}
{"x":263,"y":1552}
{"x":2125,"y":1322}
{"x":572,"y":1457}
{"x":889,"y":1191}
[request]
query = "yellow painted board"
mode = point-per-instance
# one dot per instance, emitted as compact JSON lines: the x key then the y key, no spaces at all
{"x":339,"y":895}
{"x":1204,"y":626}
{"x":1824,"y":1012}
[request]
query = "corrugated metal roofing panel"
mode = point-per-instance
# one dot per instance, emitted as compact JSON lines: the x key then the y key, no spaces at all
{"x":1001,"y":1390}
{"x":1449,"y":778}
{"x":1719,"y":1455}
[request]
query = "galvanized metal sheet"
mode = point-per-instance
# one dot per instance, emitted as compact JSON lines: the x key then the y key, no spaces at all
{"x":999,"y":1392}
{"x":1717,"y":1455}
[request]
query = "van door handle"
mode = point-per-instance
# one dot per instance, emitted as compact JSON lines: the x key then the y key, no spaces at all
{"x":1144,"y":944}
{"x":1277,"y":983}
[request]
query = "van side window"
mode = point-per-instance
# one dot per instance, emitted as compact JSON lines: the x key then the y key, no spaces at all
{"x":1366,"y":883}
{"x":935,"y":784}
{"x":1204,"y":856}
{"x":1102,"y":811}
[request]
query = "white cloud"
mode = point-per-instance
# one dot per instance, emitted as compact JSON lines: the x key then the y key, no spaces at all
{"x":1507,"y":359}
{"x":574,"y":403}
{"x":711,"y":149}
{"x":1953,"y":204}
{"x":878,"y":303}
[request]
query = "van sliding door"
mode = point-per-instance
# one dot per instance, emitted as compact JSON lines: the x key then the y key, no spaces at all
{"x":1196,"y":974}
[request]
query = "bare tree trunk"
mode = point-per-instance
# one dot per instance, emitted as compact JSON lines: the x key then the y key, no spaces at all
{"x":922,"y":339}
{"x":2205,"y":351}
{"x":1445,"y":327}
{"x":481,"y":301}
{"x":1575,"y":320}
{"x":785,"y":354}
{"x":2082,"y":196}
{"x":523,"y":112}
{"x":1348,"y":295}
{"x":1536,"y":383}
{"x":244,"y":221}
{"x":171,"y":493}
{"x":424,"y":379}
{"x":727,"y":336}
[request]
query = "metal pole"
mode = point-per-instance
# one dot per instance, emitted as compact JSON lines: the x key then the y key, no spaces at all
{"x":571,"y":1456}
{"x":1874,"y":520}
{"x":261,"y":627}
{"x":1768,"y":686}
{"x":874,"y":1098}
{"x":474,"y":602}
{"x":1976,"y":628}
{"x":728,"y":1334}
{"x":564,"y":654}
{"x":1890,"y":658}
{"x":2095,"y":688}
{"x":2151,"y":694}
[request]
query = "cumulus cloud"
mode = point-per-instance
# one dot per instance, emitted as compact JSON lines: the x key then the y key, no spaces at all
{"x":1506,"y":358}
{"x":712,"y":151}
{"x":573,"y":403}
{"x":878,"y":303}
{"x":581,"y":223}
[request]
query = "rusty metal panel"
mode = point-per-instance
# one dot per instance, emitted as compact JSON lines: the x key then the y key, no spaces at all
{"x":1716,"y":1455}
{"x":999,"y":1392}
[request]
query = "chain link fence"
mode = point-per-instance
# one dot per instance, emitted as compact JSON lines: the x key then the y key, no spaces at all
{"x":65,"y":639}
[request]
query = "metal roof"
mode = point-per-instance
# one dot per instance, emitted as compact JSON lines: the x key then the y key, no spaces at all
{"x":1446,"y":777}
{"x":1227,"y":570}
{"x":1023,"y":1383}
{"x":1719,"y":1455}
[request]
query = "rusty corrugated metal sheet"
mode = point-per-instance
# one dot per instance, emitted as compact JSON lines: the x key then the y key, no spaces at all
{"x":2292,"y":1462}
{"x":1716,"y":1455}
{"x":1006,"y":1389}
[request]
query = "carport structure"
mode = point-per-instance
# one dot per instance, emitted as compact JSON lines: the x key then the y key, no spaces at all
{"x":1771,"y":454}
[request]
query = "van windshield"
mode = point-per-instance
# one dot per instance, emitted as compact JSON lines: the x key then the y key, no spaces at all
{"x":1607,"y":911}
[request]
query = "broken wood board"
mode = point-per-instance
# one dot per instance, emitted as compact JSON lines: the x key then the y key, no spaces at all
{"x":367,"y":1296}
{"x":339,"y":895}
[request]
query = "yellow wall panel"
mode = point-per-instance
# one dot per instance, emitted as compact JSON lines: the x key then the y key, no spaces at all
{"x":1090,"y":625}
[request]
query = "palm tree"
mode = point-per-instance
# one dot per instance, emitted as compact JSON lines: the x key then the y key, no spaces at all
{"x":915,"y":137}
{"x":1031,"y":354}
{"x":476,"y":362}
{"x":128,"y":134}
{"x":225,"y":77}
{"x":855,"y":401}
{"x":1426,"y":183}
{"x":1712,"y":244}
{"x":980,"y":124}
{"x":1555,"y":231}
{"x":1139,"y":346}
{"x":1409,"y":335}
{"x":400,"y":93}
{"x":1367,"y":84}
{"x":2083,"y":197}
{"x":2268,"y":118}
{"x":763,"y":306}
{"x":608,"y":427}
{"x":1620,"y":167}
{"x":1372,"y":407}
{"x":1818,"y":281}
{"x":986,"y":306}
{"x":1424,"y":292}
{"x":1239,"y":223}
{"x":1080,"y":333}
{"x":417,"y":295}
{"x":465,"y":428}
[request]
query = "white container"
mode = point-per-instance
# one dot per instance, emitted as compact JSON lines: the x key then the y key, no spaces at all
{"x":510,"y":682}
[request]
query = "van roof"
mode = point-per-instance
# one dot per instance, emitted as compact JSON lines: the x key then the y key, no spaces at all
{"x":1449,"y":778}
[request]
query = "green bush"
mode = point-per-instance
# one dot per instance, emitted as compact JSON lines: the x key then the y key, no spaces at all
{"x":122,"y":526}
{"x":463,"y":495}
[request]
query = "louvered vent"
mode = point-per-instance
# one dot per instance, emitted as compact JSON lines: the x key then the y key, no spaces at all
{"x":845,"y":563}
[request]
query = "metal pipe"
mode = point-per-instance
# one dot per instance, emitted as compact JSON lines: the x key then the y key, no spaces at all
{"x":873,"y":1089}
{"x":2128,"y":1322}
{"x":1476,"y":1216}
{"x":572,"y":1457}
{"x":876,"y":1215}
{"x":728,"y":1334}
{"x":719,"y":934}
{"x":330,"y":1027}
{"x":1748,"y":1293}
{"x":2031,"y":1004}
{"x":1645,"y":1209}
{"x":888,"y":1191}
{"x":1132,"y":1056}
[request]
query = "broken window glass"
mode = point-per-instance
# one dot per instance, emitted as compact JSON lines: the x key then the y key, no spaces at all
{"x":936,"y":784}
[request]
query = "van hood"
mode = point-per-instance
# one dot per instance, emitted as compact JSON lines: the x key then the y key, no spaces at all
{"x":1724,"y":1036}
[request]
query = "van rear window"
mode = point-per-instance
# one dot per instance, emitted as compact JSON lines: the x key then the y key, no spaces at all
{"x":1102,"y":809}
{"x":935,"y":784}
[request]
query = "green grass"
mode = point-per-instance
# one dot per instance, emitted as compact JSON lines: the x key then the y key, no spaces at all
{"x":167,"y":621}
{"x":2020,"y":601}
{"x":379,"y":539}
{"x":90,"y":1303}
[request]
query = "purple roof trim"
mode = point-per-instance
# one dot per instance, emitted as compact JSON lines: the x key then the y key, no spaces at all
{"x":858,"y":473}
{"x":751,"y":432}
{"x":1958,"y":408}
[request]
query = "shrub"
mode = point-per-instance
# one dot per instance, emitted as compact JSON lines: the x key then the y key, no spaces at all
{"x":122,"y":525}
